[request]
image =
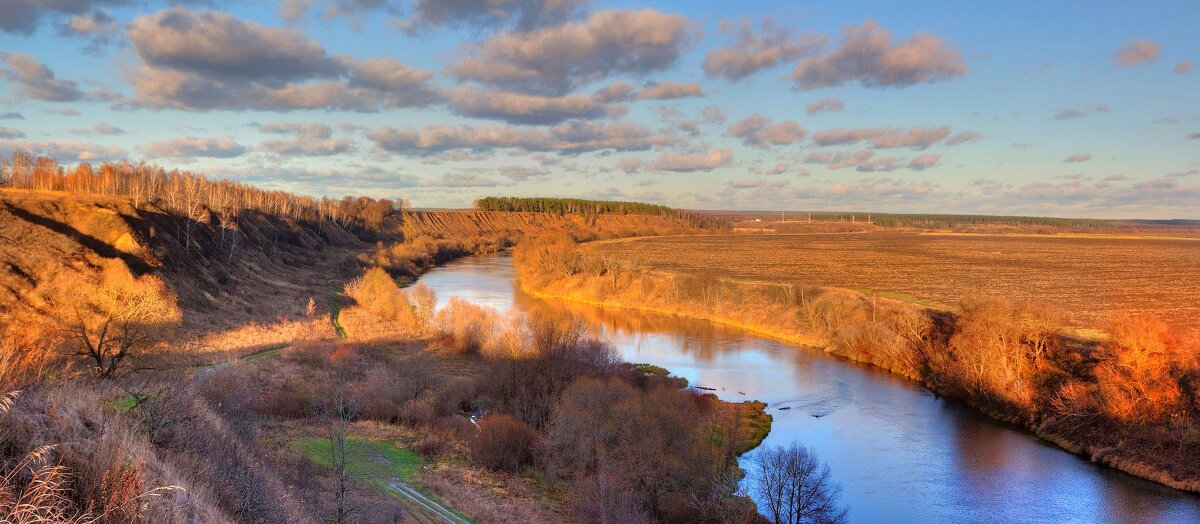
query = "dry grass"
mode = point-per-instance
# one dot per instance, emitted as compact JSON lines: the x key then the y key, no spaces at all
{"x":1131,"y":399}
{"x":1092,"y":279}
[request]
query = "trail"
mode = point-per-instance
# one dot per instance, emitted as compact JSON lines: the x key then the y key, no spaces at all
{"x":440,"y":512}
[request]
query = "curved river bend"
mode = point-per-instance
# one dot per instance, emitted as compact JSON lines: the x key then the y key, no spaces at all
{"x":900,"y":453}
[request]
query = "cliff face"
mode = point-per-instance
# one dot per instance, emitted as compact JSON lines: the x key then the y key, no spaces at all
{"x":259,"y":267}
{"x":465,"y":224}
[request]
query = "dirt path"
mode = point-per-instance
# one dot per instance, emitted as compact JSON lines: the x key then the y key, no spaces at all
{"x":439,"y":512}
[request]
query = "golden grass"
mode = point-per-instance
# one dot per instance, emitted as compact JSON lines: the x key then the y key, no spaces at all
{"x":1092,"y":278}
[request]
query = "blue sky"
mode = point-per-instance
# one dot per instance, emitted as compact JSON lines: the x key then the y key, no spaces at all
{"x":1066,"y":109}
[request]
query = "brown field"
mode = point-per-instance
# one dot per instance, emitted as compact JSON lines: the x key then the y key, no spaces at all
{"x":1091,"y":278}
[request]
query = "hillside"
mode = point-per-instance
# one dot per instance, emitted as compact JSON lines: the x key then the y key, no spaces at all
{"x":209,"y":267}
{"x":514,"y":224}
{"x":255,"y":267}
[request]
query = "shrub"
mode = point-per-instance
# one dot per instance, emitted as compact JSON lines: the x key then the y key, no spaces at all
{"x":111,"y":315}
{"x":1139,"y":377}
{"x":504,"y":444}
{"x":377,"y":293}
{"x":1000,"y":350}
{"x":467,"y":327}
{"x":431,"y":445}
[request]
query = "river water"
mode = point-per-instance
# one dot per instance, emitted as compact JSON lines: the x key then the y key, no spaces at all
{"x":900,"y":453}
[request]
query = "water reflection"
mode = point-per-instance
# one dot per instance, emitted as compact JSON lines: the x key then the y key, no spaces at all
{"x":900,"y":453}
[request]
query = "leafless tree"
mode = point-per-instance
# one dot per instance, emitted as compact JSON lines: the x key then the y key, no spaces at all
{"x":338,"y":413}
{"x":110,"y":315}
{"x":795,"y":486}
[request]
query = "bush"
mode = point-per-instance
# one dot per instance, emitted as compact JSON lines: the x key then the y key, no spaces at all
{"x":1002,"y":351}
{"x":466,"y":327}
{"x":504,"y":444}
{"x":377,"y":293}
{"x":1139,"y":378}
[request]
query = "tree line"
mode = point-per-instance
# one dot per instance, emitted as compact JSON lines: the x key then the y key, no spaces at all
{"x":191,"y":195}
{"x":562,"y":206}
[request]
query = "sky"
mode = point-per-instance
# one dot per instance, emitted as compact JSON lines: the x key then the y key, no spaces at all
{"x":1053,"y":108}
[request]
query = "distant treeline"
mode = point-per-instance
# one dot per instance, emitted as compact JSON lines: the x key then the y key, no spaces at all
{"x":575,"y":206}
{"x":191,"y":195}
{"x":947,"y":220}
{"x":579,"y":206}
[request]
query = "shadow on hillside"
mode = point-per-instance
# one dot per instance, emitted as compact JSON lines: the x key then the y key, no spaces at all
{"x":137,"y":265}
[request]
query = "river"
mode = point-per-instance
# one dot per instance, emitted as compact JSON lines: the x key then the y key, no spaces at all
{"x":899,"y":452}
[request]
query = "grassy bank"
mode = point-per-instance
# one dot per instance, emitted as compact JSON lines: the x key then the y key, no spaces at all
{"x":1128,"y":401}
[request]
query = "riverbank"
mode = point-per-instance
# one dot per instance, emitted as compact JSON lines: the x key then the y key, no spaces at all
{"x":929,"y":346}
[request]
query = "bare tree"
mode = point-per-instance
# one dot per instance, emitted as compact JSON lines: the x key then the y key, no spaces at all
{"x":795,"y":486}
{"x":110,"y":315}
{"x":338,"y":413}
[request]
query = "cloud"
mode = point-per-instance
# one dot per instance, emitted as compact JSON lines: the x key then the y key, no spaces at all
{"x":64,"y":150}
{"x":12,"y":115}
{"x":1078,"y":158}
{"x":22,"y":17}
{"x":712,"y":114}
{"x":308,"y":130}
{"x":570,"y":137}
{"x":1137,"y":52}
{"x":207,"y":60}
{"x":97,"y":27}
{"x":524,"y":14}
{"x":8,"y":132}
{"x":868,"y":56}
{"x":751,"y":52}
{"x":923,"y":162}
{"x":461,"y":180}
{"x":309,"y":139}
{"x":99,"y":128}
{"x":219,"y":46}
{"x":1184,"y":67}
{"x":964,"y":137}
{"x":883,"y":138}
{"x":826,"y":105}
{"x":866,"y":161}
{"x":522,"y":173}
{"x":35,"y":80}
{"x":669,"y":91}
{"x":615,"y":92}
{"x":686,"y":163}
{"x":1068,"y":113}
{"x":307,"y":147}
{"x":195,"y":147}
{"x":1193,"y":136}
{"x":370,"y":180}
{"x":757,"y":130}
{"x":624,"y":91}
{"x":521,"y":108}
{"x":555,"y":60}
{"x":355,"y":11}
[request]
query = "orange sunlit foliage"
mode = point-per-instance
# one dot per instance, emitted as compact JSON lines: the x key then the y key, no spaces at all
{"x":1139,"y":379}
{"x":110,"y":315}
{"x":189,"y":194}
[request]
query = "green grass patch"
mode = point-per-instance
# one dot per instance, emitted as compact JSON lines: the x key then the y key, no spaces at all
{"x":125,"y":404}
{"x":651,"y":369}
{"x":375,"y":462}
{"x":263,"y":352}
{"x":334,"y":311}
{"x":755,"y":423}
